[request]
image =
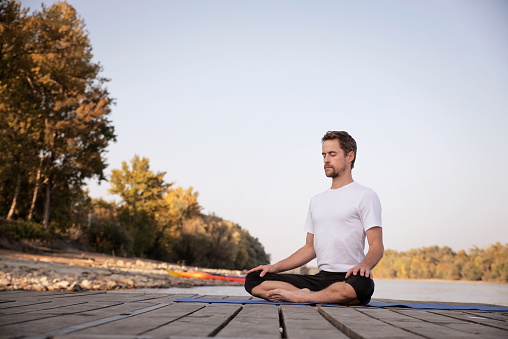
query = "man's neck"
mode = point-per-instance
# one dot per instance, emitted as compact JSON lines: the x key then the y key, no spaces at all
{"x":341,"y":181}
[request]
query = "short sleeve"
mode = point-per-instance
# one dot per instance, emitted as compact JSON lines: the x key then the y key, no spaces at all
{"x":309,"y":225}
{"x":370,"y":210}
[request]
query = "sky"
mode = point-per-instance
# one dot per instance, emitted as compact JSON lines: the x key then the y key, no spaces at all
{"x":233,"y":97}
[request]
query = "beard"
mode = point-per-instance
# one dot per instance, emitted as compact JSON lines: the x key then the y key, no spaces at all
{"x":334,"y":172}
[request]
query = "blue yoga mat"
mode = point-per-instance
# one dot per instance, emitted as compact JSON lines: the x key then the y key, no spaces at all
{"x":371,"y":304}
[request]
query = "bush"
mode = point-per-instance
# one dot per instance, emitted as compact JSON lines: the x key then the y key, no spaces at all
{"x":27,"y":230}
{"x":109,"y":236}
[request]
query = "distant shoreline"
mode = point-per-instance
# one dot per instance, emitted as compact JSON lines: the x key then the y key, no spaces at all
{"x":446,"y":280}
{"x":80,"y":270}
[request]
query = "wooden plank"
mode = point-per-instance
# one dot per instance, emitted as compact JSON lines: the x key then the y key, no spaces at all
{"x":8,"y":307}
{"x":33,"y":315}
{"x":490,"y":315}
{"x":142,"y":314}
{"x":255,"y":321}
{"x":477,"y":325}
{"x":77,"y":327}
{"x":142,"y":323}
{"x":454,"y":323}
{"x":205,"y":322}
{"x":475,"y":318}
{"x":305,"y":322}
{"x":52,"y":322}
{"x":72,"y":294}
{"x":56,"y":306}
{"x":413,"y":325}
{"x":358,"y":325}
{"x":242,"y":297}
{"x":212,"y":297}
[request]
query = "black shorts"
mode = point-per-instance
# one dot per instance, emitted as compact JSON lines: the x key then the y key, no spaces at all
{"x":364,"y":287}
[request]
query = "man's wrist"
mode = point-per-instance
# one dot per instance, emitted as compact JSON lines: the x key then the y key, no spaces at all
{"x":276,"y":267}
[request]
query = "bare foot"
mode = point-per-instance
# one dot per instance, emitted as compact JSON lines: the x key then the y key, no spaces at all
{"x":298,"y":296}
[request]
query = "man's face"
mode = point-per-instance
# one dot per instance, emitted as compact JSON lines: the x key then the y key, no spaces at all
{"x":336,"y":163}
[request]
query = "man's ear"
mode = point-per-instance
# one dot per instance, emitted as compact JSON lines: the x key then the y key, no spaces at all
{"x":350,"y":156}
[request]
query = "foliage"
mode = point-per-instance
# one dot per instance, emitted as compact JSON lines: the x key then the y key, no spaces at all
{"x":159,"y":221}
{"x":54,"y":108}
{"x":139,"y":188}
{"x":210,"y":241}
{"x":105,"y":232}
{"x":435,"y":262}
{"x":54,"y":131}
{"x":141,"y":192}
{"x":26,"y":230}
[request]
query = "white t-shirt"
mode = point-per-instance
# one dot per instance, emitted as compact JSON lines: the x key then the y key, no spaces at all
{"x":338,"y":218}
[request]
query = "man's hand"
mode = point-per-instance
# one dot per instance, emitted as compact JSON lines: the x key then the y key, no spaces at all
{"x":264,"y":269}
{"x":362,"y":269}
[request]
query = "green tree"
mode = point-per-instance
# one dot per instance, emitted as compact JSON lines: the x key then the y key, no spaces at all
{"x":139,"y":188}
{"x":176,"y":206}
{"x":141,"y":191}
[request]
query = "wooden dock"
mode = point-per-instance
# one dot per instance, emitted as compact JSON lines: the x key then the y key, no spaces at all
{"x":137,"y":314}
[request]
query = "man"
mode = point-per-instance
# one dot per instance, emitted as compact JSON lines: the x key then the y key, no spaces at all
{"x":338,"y":221}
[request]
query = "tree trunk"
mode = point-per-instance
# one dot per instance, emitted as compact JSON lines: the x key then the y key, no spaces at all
{"x":36,"y":190}
{"x":157,"y":241}
{"x":49,"y":189}
{"x":47,"y":203}
{"x":15,"y":199}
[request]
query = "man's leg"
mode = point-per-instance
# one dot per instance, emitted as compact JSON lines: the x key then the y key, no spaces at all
{"x":336,"y":293}
{"x":259,"y":286}
{"x":262,"y":289}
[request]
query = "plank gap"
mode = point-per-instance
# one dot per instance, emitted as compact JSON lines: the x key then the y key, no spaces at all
{"x":225,"y":323}
{"x":30,"y":304}
{"x":59,"y":315}
{"x":171,"y":321}
{"x":391,"y":324}
{"x":340,"y":326}
{"x":78,"y":327}
{"x":471,"y":320}
{"x":282,"y":325}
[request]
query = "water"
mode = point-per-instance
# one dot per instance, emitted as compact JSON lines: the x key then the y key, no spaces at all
{"x":415,"y":290}
{"x":443,"y":291}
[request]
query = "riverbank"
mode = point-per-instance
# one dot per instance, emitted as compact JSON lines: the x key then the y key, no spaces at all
{"x":78,"y":271}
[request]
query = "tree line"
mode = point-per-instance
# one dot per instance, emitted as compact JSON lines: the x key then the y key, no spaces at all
{"x":157,"y":220}
{"x":490,"y":264}
{"x":55,"y":128}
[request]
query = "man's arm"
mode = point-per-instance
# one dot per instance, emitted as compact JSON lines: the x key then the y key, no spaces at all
{"x":297,"y":259}
{"x":376,"y":249}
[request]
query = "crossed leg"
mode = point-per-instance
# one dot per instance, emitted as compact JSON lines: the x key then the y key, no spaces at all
{"x":277,"y":291}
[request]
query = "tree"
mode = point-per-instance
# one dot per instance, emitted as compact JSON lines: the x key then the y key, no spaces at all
{"x":141,"y":191}
{"x":139,"y":188}
{"x":20,"y":128}
{"x":176,"y":206}
{"x":53,"y":105}
{"x":74,"y":101}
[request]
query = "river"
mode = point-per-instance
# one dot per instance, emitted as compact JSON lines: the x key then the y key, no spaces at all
{"x":415,"y":290}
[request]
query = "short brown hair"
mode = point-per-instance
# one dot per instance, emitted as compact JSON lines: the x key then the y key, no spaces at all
{"x":347,"y":143}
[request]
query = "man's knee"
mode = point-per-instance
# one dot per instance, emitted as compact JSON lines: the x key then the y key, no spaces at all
{"x":252,"y":280}
{"x":363,"y":287}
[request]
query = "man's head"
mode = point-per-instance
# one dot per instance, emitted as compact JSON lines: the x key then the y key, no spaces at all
{"x":339,"y":149}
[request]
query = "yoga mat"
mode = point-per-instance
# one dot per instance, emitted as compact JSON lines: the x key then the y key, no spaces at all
{"x":371,"y":304}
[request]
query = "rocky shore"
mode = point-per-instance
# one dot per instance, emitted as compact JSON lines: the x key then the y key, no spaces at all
{"x":78,"y":271}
